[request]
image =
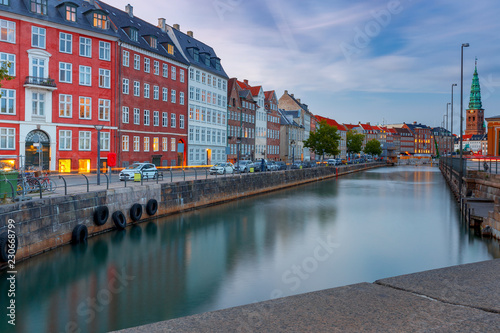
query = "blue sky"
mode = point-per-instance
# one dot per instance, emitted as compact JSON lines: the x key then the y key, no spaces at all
{"x":351,"y":60}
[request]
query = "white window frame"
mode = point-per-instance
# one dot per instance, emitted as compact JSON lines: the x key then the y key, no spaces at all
{"x":105,"y":141}
{"x":125,"y":143}
{"x":146,"y":118}
{"x":173,"y":95}
{"x":125,"y":86}
{"x":156,"y":118}
{"x":137,"y":143}
{"x":137,"y":116}
{"x":181,"y":121}
{"x":137,"y":88}
{"x":85,"y":76}
{"x":147,"y":65}
{"x":146,"y":90}
{"x":104,"y":51}
{"x":126,"y":58}
{"x":85,"y":47}
{"x":173,"y":120}
{"x":165,"y":70}
{"x":164,"y":119}
{"x":156,"y":92}
{"x":7,"y":101}
{"x":7,"y":29}
{"x":65,"y":72}
{"x":65,"y":43}
{"x":38,"y":104}
{"x":87,"y":107}
{"x":66,"y":104}
{"x":146,"y":143}
{"x":84,"y":140}
{"x":65,"y":138}
{"x":173,"y":73}
{"x":137,"y":62}
{"x":164,"y":143}
{"x":156,"y":67}
{"x":165,"y":94}
{"x":181,"y":98}
{"x":104,"y":109}
{"x":104,"y":78}
{"x":41,"y":34}
{"x":125,"y":114}
{"x":8,"y":135}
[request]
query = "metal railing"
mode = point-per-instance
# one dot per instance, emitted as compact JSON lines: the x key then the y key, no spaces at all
{"x":40,"y":81}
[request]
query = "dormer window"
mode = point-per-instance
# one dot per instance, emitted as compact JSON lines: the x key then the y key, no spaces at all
{"x":154,"y":42}
{"x":207,"y":60}
{"x":217,"y":64}
{"x":4,"y":2}
{"x":196,"y":55}
{"x":134,"y":34}
{"x":170,"y":49}
{"x":101,"y":21}
{"x":70,"y":13}
{"x":39,"y":6}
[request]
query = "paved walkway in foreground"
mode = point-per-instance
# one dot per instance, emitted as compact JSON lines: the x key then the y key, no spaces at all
{"x":463,"y":298}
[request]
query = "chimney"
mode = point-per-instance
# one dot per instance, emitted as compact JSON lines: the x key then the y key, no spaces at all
{"x":130,"y":10}
{"x":286,"y":92}
{"x":368,"y":123}
{"x":298,"y":100}
{"x":246,"y":81}
{"x":162,"y":25}
{"x":292,"y":95}
{"x":177,"y":27}
{"x":414,"y":123}
{"x":190,"y":34}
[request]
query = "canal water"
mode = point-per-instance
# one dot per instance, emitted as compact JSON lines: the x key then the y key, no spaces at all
{"x":358,"y":228}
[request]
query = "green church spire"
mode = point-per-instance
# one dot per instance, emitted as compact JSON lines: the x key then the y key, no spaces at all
{"x":475,"y":92}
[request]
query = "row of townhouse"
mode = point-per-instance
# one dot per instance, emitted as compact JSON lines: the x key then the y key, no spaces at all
{"x":85,"y":73}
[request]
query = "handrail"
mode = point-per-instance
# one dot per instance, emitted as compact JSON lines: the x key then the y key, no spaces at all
{"x":107,"y":181}
{"x":65,"y":186}
{"x":87,"y":182}
{"x":39,"y":186}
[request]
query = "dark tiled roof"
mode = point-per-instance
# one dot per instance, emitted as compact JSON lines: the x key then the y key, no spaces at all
{"x":55,"y":14}
{"x":122,"y":20}
{"x":187,"y":42}
{"x":295,"y":114}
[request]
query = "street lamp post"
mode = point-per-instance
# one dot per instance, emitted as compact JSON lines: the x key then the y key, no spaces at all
{"x":293,"y":151}
{"x":238,"y":141}
{"x":461,"y":117}
{"x":447,"y":145}
{"x":99,"y":128}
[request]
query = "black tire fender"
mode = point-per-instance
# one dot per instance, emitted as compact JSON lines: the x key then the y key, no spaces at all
{"x":80,"y":234}
{"x":136,"y":212}
{"x":152,"y":207}
{"x":5,"y":247}
{"x":119,"y":220}
{"x":101,"y":215}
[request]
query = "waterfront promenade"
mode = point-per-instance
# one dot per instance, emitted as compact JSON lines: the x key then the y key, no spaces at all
{"x":464,"y":298}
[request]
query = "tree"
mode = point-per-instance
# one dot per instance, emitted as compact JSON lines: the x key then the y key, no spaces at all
{"x":373,"y":147}
{"x":4,"y":73}
{"x":325,"y":140}
{"x":354,"y":142}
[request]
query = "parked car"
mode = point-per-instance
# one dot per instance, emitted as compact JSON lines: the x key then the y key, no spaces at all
{"x":296,"y":165}
{"x":148,"y":171}
{"x":281,"y":165}
{"x":243,"y":166}
{"x":272,"y":166}
{"x":331,"y":162}
{"x":222,"y":168}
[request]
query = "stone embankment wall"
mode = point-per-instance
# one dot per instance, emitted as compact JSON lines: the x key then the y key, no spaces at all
{"x":45,"y":224}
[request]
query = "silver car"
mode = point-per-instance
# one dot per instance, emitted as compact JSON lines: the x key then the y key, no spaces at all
{"x":222,"y":168}
{"x":147,"y":170}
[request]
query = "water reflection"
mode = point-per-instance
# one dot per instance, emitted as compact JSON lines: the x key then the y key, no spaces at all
{"x":362,"y":227}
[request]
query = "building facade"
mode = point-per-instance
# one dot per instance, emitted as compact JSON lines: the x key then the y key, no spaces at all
{"x":273,"y":126}
{"x":474,"y":119}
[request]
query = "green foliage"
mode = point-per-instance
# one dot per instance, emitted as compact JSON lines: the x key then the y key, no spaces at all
{"x":354,"y":142}
{"x":325,"y":140}
{"x":4,"y":72}
{"x":373,"y":147}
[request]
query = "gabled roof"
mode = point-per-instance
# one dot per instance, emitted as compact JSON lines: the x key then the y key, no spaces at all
{"x":350,"y":126}
{"x":366,"y":127}
{"x":269,"y":95}
{"x":294,"y":114}
{"x":254,"y":90}
{"x":55,"y":14}
{"x":331,"y":122}
{"x":123,"y":21}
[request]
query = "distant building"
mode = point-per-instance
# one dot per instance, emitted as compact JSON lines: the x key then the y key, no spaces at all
{"x":493,"y":136}
{"x":291,"y":137}
{"x":474,"y":118}
{"x":342,"y":131}
{"x":273,"y":126}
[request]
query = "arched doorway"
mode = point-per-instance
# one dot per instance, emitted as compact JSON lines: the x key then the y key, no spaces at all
{"x":37,"y":150}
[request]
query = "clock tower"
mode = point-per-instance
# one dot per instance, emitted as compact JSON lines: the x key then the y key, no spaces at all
{"x":475,"y":113}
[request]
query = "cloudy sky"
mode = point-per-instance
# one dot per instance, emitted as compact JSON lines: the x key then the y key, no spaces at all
{"x":378,"y":61}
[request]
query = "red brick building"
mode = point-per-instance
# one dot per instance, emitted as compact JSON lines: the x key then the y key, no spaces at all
{"x":273,"y":126}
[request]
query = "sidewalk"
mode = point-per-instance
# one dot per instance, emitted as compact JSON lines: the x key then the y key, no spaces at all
{"x":463,"y":298}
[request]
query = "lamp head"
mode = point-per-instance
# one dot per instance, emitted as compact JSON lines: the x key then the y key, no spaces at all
{"x":454,"y":85}
{"x":465,"y":45}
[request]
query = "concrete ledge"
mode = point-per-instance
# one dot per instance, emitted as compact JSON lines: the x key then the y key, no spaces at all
{"x":389,"y":305}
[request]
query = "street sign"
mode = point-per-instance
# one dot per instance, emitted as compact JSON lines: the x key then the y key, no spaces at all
{"x":36,"y":144}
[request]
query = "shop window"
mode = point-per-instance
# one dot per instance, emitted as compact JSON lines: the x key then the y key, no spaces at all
{"x":65,"y":165}
{"x":84,"y":166}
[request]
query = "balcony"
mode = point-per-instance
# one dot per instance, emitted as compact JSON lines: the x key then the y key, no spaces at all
{"x":40,"y":82}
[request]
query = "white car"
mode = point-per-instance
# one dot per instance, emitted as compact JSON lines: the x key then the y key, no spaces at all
{"x":148,"y":171}
{"x":222,"y":168}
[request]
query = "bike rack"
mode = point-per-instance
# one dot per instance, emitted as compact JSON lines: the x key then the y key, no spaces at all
{"x":12,"y":187}
{"x":141,"y":177}
{"x":87,"y":182}
{"x":65,"y":187}
{"x":39,"y":186}
{"x":171,"y":175}
{"x":184,"y":173}
{"x":107,"y":181}
{"x":206,"y":173}
{"x":195,"y":175}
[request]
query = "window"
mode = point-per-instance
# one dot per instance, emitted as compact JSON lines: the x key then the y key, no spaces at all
{"x":181,"y":121}
{"x":191,"y":113}
{"x":125,"y":143}
{"x":170,"y":49}
{"x":65,"y":105}
{"x":156,"y":92}
{"x":134,"y":34}
{"x":172,"y":144}
{"x":165,"y":94}
{"x":7,"y":101}
{"x":156,"y":144}
{"x":181,"y":98}
{"x":146,"y":117}
{"x":100,"y":21}
{"x":104,"y":78}
{"x":64,"y":140}
{"x":146,"y":144}
{"x":38,"y":100}
{"x":137,"y":116}
{"x":181,"y":75}
{"x":203,"y":78}
{"x":136,"y":143}
{"x":165,"y":144}
{"x":147,"y":65}
{"x":137,"y":62}
{"x":85,"y":76}
{"x":146,"y":90}
{"x":125,"y":86}
{"x":104,"y":142}
{"x":191,"y":134}
{"x":85,"y":108}
{"x":125,"y":115}
{"x":70,"y":13}
{"x":39,"y":6}
{"x":156,"y":67}
{"x":191,"y":93}
{"x":126,"y":58}
{"x":197,"y":76}
{"x":203,"y":96}
{"x":38,"y":37}
{"x":7,"y":138}
{"x":172,"y":96}
{"x":7,"y":31}
{"x":137,"y":88}
{"x":156,"y":118}
{"x":209,"y":97}
{"x":165,"y":70}
{"x":104,"y":109}
{"x":104,"y":51}
{"x":65,"y":42}
{"x":164,"y":119}
{"x":85,"y":47}
{"x":173,"y":120}
{"x":84,"y":140}
{"x":7,"y":58}
{"x":197,"y":96}
{"x":174,"y":73}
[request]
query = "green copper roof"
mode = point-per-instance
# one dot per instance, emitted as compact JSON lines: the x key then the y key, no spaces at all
{"x":475,"y":93}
